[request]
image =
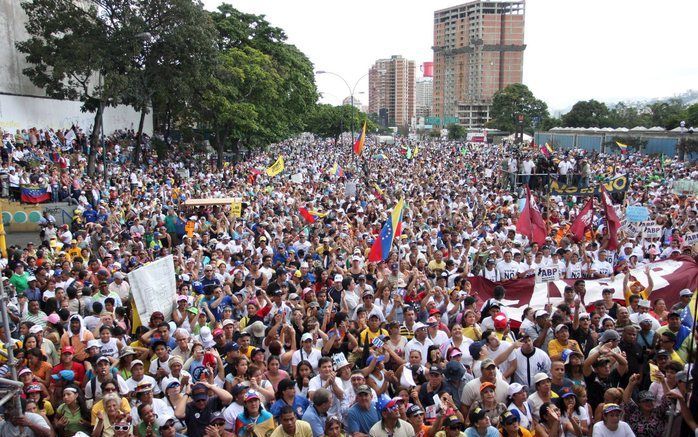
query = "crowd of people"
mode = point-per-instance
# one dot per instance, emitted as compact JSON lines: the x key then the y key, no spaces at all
{"x":282,"y":325}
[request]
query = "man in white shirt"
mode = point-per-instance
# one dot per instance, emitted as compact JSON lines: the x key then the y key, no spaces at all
{"x":507,"y":268}
{"x":601,"y":268}
{"x":420,"y":342}
{"x":327,"y":379}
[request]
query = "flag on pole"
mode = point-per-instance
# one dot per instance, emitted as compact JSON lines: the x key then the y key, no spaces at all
{"x":547,"y":150}
{"x":623,"y":147}
{"x":409,"y":153}
{"x":381,"y":246}
{"x":276,"y":167}
{"x":415,"y":151}
{"x":359,"y":143}
{"x":530,"y":222}
{"x":612,"y":221}
{"x":583,"y":220}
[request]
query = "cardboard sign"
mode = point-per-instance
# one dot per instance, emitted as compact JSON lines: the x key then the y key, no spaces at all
{"x":547,"y":273}
{"x":653,"y":231}
{"x":297,"y":178}
{"x":691,"y":238}
{"x":236,"y":209}
{"x":636,"y":213}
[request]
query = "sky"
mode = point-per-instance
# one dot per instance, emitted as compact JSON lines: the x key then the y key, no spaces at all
{"x":609,"y":50}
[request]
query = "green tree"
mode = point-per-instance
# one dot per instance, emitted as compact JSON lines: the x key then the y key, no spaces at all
{"x":667,"y":114}
{"x":244,"y":84}
{"x":456,"y":132}
{"x":176,"y":41}
{"x":78,"y":53}
{"x":691,"y":115}
{"x":331,"y":121}
{"x":281,"y":113}
{"x":513,"y":100}
{"x":587,"y":113}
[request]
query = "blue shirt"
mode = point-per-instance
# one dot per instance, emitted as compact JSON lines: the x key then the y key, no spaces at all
{"x":316,"y":421}
{"x":360,"y":420}
{"x":300,"y":404}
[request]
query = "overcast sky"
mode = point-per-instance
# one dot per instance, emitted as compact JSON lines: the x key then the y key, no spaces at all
{"x":576,"y":49}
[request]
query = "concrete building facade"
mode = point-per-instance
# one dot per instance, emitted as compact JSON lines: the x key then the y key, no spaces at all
{"x":391,"y":89}
{"x":424,"y":90}
{"x":478,"y":50}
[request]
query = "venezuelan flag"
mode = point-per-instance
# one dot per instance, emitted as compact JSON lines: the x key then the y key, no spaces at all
{"x":359,"y":144}
{"x":623,"y":147}
{"x":311,"y":216}
{"x":336,"y":170}
{"x":546,"y":150}
{"x":688,"y":315}
{"x":381,"y":246}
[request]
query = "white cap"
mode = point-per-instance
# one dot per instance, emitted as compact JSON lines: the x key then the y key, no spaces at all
{"x":306,"y":336}
{"x":338,"y":278}
{"x":685,"y":293}
{"x":94,"y":343}
{"x":541,"y":313}
{"x":515,"y":388}
{"x":540,"y":377}
{"x":418,"y":325}
{"x":36,"y":329}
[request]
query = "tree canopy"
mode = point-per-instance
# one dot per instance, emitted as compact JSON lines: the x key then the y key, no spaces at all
{"x":513,"y":100}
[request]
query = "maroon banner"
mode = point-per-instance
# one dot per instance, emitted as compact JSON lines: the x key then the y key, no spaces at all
{"x":669,"y":277}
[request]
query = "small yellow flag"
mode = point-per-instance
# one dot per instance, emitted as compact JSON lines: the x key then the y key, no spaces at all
{"x":276,"y":167}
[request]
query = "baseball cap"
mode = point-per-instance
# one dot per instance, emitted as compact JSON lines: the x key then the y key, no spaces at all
{"x":414,"y":410}
{"x":67,"y":350}
{"x":500,"y":321}
{"x":452,"y":421}
{"x":541,"y":313}
{"x":609,"y":335}
{"x":36,"y":329}
{"x":216,"y":417}
{"x":199,"y":391}
{"x":607,"y":408}
{"x":685,"y":293}
{"x":94,"y":343}
{"x":566,"y":392}
{"x":134,"y":362}
{"x":250,"y":395}
{"x":307,"y":336}
{"x":646,"y":395}
{"x":487,"y":362}
{"x":363,"y":389}
{"x":539,"y":377}
{"x":435,"y":370}
{"x":387,"y":404}
{"x":560,"y":327}
{"x":486,"y":385}
{"x":418,"y":325}
{"x":515,"y":388}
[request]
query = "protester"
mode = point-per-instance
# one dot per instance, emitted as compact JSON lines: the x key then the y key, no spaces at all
{"x":294,"y":315}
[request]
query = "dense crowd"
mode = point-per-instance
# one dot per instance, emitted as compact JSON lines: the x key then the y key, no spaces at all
{"x":283,"y":327}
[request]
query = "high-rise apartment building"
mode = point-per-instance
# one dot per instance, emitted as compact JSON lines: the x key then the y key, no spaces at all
{"x":478,"y":50}
{"x":391,"y":90}
{"x":424,"y":93}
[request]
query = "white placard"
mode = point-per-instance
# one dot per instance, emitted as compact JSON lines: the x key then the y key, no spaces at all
{"x":691,"y":238}
{"x":154,"y":288}
{"x":547,"y":273}
{"x":297,"y":178}
{"x":653,"y":231}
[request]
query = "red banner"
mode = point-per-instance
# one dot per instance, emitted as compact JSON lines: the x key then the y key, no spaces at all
{"x":669,"y":276}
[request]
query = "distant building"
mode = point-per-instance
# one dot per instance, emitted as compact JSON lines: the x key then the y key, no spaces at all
{"x":357,"y":103}
{"x":478,"y":50}
{"x":391,"y":90}
{"x":424,"y":96}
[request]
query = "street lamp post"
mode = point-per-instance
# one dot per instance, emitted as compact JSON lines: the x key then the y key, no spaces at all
{"x":351,"y":93}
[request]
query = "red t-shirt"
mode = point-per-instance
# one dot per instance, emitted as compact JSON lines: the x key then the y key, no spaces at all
{"x":77,"y":368}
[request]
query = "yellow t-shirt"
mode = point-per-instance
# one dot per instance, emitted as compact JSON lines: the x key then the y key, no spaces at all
{"x":303,"y":429}
{"x":555,"y":349}
{"x":643,"y":294}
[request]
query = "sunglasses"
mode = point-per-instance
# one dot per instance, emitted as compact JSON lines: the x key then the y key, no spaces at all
{"x":124,"y":427}
{"x":167,"y":426}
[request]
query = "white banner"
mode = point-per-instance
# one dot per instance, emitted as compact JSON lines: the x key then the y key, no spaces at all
{"x":154,"y":288}
{"x":653,"y":231}
{"x":547,"y":273}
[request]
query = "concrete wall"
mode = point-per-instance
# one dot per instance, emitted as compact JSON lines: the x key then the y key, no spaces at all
{"x":23,"y":105}
{"x":22,"y":217}
{"x":17,"y":112}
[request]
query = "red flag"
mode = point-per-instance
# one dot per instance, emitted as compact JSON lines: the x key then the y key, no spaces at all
{"x":612,"y":221}
{"x":583,"y":220}
{"x":306,"y":215}
{"x":531,"y":223}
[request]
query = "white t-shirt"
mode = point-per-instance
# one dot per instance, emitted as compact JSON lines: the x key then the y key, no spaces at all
{"x":600,"y":430}
{"x":316,"y":383}
{"x":602,"y":267}
{"x":301,"y":355}
{"x":507,"y":270}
